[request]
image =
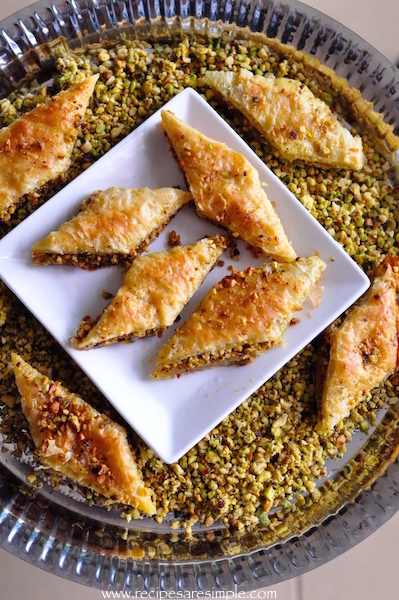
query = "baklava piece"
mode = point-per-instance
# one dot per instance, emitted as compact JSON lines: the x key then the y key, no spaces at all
{"x":75,"y":440}
{"x":153,"y":293}
{"x":301,"y":126}
{"x":244,"y":315}
{"x":226,"y":189}
{"x":363,"y":350}
{"x":112,"y":227}
{"x":37,"y":148}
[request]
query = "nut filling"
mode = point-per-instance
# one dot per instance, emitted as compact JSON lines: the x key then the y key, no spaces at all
{"x":91,"y":262}
{"x":241,"y":355}
{"x":87,"y":324}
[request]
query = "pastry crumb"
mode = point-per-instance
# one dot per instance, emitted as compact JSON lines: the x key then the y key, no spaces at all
{"x":295,"y":321}
{"x":256,"y":252}
{"x":174,"y":239}
{"x":234,"y":251}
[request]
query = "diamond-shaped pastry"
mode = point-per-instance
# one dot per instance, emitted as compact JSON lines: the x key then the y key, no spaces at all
{"x":37,"y":148}
{"x":226,"y":188}
{"x":112,"y":227}
{"x":77,"y":441}
{"x":153,"y":293}
{"x":244,"y":315}
{"x":363,"y":350}
{"x":292,"y":119}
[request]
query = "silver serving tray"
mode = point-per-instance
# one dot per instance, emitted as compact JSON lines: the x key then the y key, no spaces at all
{"x":56,"y":530}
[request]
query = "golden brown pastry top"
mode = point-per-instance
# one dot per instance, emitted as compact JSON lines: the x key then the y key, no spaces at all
{"x":226,"y":188}
{"x":293,"y":120}
{"x":363,"y":351}
{"x":116,"y":220}
{"x":154,"y":291}
{"x":37,"y":147}
{"x":249,"y":307}
{"x":87,"y":447}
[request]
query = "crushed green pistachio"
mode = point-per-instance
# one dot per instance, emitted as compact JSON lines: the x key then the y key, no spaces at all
{"x":266,"y":453}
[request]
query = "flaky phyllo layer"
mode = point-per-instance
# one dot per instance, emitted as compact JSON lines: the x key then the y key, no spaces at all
{"x":112,"y":227}
{"x":363,"y":351}
{"x":226,"y":188}
{"x":77,"y":441}
{"x":301,"y":126}
{"x":153,"y":293}
{"x":241,"y":317}
{"x":37,"y":148}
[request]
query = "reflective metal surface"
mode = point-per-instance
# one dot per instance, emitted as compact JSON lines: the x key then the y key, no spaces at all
{"x":63,"y":535}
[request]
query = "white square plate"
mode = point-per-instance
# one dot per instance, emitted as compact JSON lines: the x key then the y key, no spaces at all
{"x":172,"y":415}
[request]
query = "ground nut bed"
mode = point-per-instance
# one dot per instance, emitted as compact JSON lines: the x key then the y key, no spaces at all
{"x":266,"y":453}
